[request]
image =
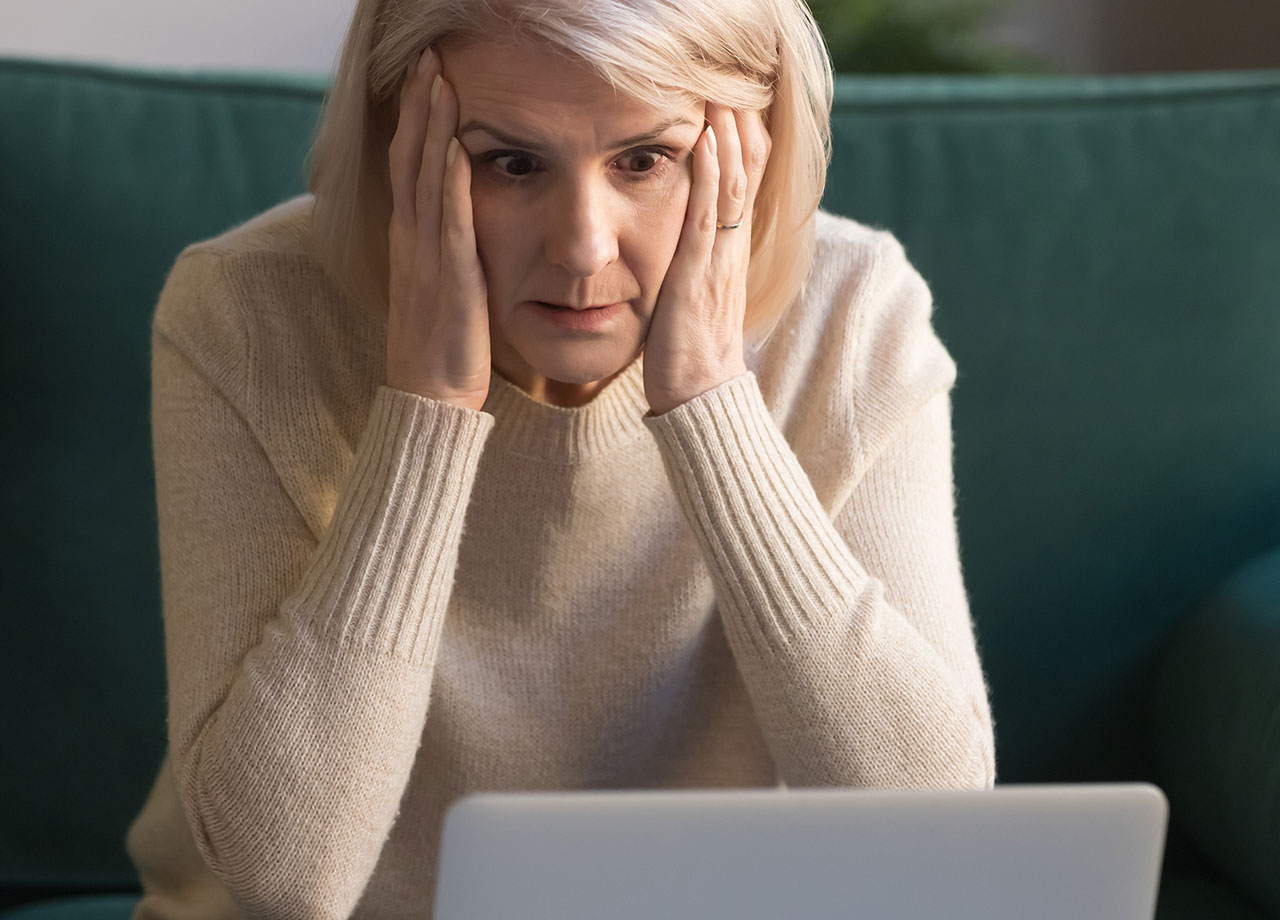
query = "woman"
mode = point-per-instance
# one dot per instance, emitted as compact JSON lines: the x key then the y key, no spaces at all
{"x":424,"y":532}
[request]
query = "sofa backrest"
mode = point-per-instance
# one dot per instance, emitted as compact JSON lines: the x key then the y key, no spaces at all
{"x":105,"y":175}
{"x":1102,"y":254}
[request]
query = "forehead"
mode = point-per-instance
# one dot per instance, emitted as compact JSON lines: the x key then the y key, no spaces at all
{"x":529,"y":89}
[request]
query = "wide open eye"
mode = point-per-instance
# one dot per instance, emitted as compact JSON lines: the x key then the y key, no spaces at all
{"x":647,"y":163}
{"x":514,"y":167}
{"x":518,"y":163}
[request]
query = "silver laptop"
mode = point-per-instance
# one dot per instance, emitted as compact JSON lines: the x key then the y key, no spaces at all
{"x":1015,"y":852}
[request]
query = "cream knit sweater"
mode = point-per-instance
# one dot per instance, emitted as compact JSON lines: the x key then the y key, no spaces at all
{"x":376,"y":602}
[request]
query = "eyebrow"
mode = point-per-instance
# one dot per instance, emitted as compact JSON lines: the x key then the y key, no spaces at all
{"x":535,"y":146}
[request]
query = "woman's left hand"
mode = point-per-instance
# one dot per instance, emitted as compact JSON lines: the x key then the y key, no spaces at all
{"x":695,"y":338}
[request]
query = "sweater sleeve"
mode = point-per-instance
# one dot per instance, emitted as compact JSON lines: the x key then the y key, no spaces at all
{"x":851,"y":630}
{"x":298,"y":670}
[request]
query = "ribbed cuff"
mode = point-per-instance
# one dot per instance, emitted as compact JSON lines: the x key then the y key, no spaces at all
{"x":383,"y":572}
{"x":775,"y":557}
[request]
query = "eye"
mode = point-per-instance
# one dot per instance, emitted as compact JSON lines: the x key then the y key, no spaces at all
{"x":520,"y":164}
{"x":516,"y":167}
{"x":652,"y":161}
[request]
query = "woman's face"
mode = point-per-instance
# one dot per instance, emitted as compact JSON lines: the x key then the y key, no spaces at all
{"x":578,"y":197}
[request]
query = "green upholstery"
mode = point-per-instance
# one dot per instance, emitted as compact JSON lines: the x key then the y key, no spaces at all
{"x":82,"y":907}
{"x":1201,"y":898}
{"x":1216,"y":726}
{"x":1102,"y":253}
{"x":104,"y":176}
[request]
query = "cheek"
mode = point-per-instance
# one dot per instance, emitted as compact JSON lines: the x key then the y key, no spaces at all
{"x":651,"y":243}
{"x":662,"y":215}
{"x":498,"y":237}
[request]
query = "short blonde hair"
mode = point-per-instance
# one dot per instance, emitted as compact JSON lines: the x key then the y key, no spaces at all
{"x":747,"y":54}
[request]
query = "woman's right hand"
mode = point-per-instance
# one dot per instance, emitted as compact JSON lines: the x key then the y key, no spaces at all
{"x":438,"y":316}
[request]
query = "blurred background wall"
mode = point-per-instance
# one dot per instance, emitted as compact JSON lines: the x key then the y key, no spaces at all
{"x":1070,"y":36}
{"x":272,"y":35}
{"x":1136,"y":36}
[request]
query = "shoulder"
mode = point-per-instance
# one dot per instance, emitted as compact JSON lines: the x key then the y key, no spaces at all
{"x":253,"y":311}
{"x":210,"y":267}
{"x":263,"y":252}
{"x":251,"y":292}
{"x":860,"y":342}
{"x":836,"y":229}
{"x":885,"y":308}
{"x":861,"y":297}
{"x":863,"y":278}
{"x":849,"y":250}
{"x":862,"y":283}
{"x":282,"y":228}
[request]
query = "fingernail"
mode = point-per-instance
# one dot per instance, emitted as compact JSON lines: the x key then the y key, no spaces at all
{"x":711,"y":140}
{"x":425,"y":59}
{"x":451,"y":152}
{"x":435,"y":89}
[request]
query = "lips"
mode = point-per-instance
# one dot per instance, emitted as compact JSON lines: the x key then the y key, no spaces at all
{"x":564,"y":306}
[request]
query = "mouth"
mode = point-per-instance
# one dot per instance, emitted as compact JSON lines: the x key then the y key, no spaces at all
{"x":560,"y":306}
{"x":578,"y":319}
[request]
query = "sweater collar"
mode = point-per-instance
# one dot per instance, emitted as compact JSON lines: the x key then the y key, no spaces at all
{"x":540,"y":431}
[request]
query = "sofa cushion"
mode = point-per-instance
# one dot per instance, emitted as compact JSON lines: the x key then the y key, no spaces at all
{"x":116,"y":172}
{"x":1198,"y":897}
{"x":1216,"y":727}
{"x":83,"y":907}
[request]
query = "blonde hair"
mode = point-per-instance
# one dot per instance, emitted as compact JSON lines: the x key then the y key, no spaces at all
{"x":748,"y":54}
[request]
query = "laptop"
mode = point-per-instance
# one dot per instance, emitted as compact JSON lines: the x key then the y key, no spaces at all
{"x":1015,"y":852}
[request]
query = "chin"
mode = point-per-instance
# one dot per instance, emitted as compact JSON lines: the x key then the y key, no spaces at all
{"x":569,"y":365}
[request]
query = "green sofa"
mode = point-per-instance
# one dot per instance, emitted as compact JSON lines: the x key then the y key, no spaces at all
{"x":1104,"y":255}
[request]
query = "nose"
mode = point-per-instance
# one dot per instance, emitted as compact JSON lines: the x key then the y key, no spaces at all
{"x":580,"y":233}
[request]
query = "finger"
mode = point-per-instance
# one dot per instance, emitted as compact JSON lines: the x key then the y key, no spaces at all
{"x":405,"y":151}
{"x":697,"y":236}
{"x":458,"y":255}
{"x":731,"y":205}
{"x":442,"y":124}
{"x":756,"y":146}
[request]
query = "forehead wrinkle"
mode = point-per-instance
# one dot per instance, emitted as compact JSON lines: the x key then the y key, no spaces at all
{"x":540,"y":101}
{"x":532,"y":142}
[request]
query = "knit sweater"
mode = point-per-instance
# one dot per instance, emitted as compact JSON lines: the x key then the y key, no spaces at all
{"x":375,"y":602}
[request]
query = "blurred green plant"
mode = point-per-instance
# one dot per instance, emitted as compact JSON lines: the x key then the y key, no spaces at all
{"x":917,"y":36}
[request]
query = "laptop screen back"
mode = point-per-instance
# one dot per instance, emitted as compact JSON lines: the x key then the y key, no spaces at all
{"x":1011,"y":853}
